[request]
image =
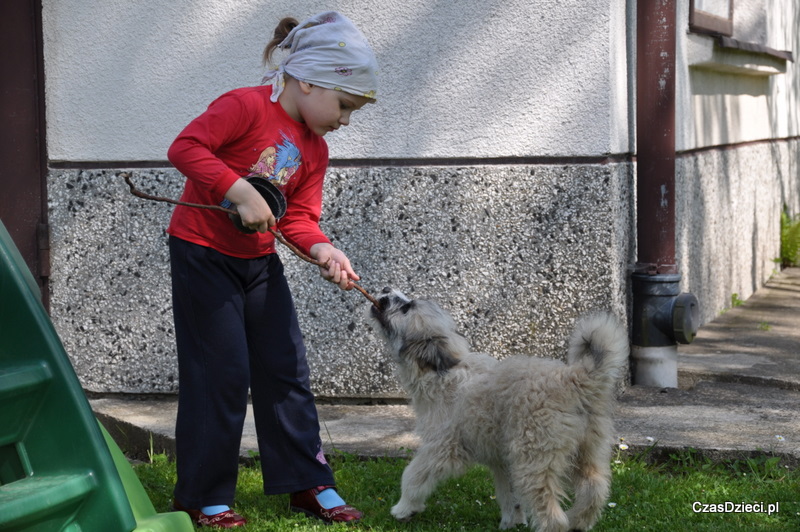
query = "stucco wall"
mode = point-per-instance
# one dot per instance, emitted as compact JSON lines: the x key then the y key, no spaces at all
{"x":458,"y":79}
{"x":515,"y":253}
{"x":728,"y":96}
{"x":732,"y":177}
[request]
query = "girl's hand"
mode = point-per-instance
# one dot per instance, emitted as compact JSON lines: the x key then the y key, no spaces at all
{"x":338,"y":270}
{"x":252,"y":208}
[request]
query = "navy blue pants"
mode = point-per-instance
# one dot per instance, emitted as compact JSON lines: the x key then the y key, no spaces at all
{"x":236,"y":329}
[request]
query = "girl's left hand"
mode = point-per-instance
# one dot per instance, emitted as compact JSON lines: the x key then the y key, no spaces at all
{"x":338,"y":269}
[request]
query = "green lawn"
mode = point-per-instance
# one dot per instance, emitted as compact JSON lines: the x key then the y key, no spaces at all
{"x":645,"y":496}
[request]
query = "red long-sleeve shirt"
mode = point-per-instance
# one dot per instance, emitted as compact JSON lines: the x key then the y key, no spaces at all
{"x":240,"y":133}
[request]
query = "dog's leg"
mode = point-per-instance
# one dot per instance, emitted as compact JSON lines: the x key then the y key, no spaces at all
{"x":537,"y":477}
{"x":510,"y":509}
{"x":592,"y":477}
{"x":432,"y":465}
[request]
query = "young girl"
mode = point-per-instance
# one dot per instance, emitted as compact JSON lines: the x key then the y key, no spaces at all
{"x":235,"y":322}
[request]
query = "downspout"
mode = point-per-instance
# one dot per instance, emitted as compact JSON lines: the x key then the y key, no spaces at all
{"x":662,"y":316}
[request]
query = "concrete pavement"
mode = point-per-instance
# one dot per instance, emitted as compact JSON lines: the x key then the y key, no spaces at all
{"x":739,"y":394}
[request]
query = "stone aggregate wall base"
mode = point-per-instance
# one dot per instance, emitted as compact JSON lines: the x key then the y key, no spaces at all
{"x":515,"y":253}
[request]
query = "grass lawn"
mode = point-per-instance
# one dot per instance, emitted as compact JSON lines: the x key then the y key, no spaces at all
{"x":645,"y":496}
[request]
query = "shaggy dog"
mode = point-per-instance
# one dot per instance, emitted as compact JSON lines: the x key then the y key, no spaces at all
{"x":542,"y":427}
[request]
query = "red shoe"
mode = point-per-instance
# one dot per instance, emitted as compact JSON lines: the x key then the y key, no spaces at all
{"x":307,"y":503}
{"x":226,"y":519}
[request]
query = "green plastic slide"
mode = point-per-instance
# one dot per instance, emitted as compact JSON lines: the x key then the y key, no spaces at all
{"x":59,"y":469}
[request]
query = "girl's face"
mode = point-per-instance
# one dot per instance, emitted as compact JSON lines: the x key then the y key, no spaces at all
{"x":325,"y":110}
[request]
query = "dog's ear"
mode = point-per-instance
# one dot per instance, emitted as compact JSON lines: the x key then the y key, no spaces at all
{"x":408,"y":306}
{"x":430,"y":354}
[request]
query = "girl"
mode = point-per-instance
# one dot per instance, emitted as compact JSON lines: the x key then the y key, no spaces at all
{"x":235,"y":322}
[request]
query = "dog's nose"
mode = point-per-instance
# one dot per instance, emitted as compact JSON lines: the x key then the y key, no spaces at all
{"x":386,"y":289}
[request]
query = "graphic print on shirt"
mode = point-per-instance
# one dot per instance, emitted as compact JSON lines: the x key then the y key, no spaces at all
{"x":278,"y":163}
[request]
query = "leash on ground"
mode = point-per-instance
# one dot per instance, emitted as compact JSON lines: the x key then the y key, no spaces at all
{"x":278,"y":236}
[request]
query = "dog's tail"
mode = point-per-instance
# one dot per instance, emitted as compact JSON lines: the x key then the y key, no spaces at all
{"x":600,"y":343}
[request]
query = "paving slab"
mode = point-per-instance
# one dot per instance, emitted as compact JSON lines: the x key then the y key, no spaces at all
{"x":757,"y":342}
{"x":720,"y":420}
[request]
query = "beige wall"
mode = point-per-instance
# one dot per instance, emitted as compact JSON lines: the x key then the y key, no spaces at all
{"x":728,"y":96}
{"x":458,"y":79}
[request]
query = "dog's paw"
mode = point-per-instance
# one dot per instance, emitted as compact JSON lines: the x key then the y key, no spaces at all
{"x":507,"y":523}
{"x":512,"y":518}
{"x":403,"y":513}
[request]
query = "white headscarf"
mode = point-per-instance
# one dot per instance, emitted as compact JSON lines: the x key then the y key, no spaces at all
{"x":331,"y":53}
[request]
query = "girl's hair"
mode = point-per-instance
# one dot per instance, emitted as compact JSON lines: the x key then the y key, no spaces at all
{"x":282,"y":30}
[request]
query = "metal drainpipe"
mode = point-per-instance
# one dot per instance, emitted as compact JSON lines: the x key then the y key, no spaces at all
{"x":662,"y":316}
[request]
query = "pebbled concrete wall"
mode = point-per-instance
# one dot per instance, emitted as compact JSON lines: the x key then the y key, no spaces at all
{"x":514,"y":252}
{"x":728,"y":218}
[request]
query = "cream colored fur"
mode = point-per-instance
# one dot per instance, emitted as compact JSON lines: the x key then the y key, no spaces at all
{"x":542,"y":427}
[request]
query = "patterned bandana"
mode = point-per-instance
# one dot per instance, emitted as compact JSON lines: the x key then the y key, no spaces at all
{"x":332,"y":53}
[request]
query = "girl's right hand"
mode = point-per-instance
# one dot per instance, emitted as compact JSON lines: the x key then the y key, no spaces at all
{"x":252,"y":208}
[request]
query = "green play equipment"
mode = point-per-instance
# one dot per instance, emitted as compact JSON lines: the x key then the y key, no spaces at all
{"x":60,"y":471}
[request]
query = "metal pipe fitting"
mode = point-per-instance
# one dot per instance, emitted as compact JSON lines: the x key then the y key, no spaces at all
{"x":662,"y":318}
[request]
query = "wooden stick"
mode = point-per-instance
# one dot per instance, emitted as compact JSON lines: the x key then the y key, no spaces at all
{"x":278,"y":236}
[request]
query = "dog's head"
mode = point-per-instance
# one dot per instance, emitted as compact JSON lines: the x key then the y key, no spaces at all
{"x":418,"y":331}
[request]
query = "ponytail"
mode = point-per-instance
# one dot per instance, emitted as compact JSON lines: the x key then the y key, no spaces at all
{"x":282,"y":30}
